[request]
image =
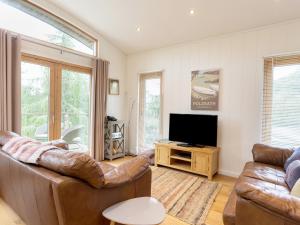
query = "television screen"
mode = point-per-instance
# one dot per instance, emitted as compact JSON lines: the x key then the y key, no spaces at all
{"x":194,"y":129}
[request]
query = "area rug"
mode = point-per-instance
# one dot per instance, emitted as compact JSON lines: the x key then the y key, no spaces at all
{"x":185,"y":196}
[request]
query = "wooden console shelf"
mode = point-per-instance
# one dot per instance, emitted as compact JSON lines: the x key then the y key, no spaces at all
{"x":203,"y":161}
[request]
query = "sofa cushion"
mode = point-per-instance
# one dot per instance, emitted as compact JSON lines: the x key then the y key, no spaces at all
{"x":265,"y":172}
{"x":73,"y":164}
{"x":127,"y":172}
{"x":293,"y":173}
{"x":293,"y":157}
{"x":296,"y":189}
{"x":264,"y":184}
{"x":271,"y":155}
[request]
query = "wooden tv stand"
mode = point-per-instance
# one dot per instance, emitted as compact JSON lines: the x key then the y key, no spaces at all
{"x":203,"y":161}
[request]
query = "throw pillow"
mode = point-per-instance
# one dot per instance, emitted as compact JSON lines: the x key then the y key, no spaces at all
{"x":296,"y":189}
{"x":73,"y":164}
{"x":292,"y":173}
{"x":294,"y":156}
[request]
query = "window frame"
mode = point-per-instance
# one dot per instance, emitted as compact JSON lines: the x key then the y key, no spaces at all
{"x":59,"y":18}
{"x":55,"y":98}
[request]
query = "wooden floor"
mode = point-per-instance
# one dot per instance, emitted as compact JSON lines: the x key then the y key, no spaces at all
{"x":8,"y":217}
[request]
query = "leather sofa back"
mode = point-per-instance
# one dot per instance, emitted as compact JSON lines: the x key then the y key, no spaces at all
{"x":43,"y":197}
{"x":28,"y":190}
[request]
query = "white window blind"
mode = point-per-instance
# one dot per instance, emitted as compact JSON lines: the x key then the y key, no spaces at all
{"x":281,"y":101}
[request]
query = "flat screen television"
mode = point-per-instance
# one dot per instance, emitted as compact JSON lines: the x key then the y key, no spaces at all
{"x":194,"y":130}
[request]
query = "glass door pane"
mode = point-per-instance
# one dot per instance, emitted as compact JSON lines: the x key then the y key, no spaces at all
{"x":151,"y":121}
{"x":35,"y":100}
{"x":75,"y":111}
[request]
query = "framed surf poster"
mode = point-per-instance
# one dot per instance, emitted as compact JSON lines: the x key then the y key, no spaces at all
{"x":205,"y":90}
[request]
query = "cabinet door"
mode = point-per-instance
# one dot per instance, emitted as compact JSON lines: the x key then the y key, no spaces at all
{"x":200,"y":162}
{"x":164,"y":155}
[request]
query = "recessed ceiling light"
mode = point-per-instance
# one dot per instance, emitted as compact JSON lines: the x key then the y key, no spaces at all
{"x":192,"y":12}
{"x":138,"y":29}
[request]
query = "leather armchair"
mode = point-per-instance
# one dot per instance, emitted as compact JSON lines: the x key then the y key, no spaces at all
{"x":261,"y":196}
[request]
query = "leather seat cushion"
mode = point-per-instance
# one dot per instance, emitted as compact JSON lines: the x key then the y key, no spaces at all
{"x":264,"y":184}
{"x":265,"y":172}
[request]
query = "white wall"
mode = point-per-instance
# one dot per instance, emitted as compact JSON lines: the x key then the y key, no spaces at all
{"x":240,"y":56}
{"x":117,"y":59}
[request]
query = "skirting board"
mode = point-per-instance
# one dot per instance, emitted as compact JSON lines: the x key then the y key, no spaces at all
{"x":229,"y":173}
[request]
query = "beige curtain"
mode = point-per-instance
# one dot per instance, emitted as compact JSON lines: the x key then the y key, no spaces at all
{"x":10,"y":82}
{"x":99,"y":98}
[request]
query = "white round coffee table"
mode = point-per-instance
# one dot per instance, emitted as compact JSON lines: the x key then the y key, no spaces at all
{"x":136,"y":211}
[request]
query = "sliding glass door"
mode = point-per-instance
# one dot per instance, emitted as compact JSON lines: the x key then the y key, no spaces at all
{"x":150,"y":102}
{"x":75,"y":110}
{"x":35,"y":100}
{"x":56,"y":102}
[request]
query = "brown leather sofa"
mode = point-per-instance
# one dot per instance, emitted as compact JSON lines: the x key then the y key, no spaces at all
{"x":261,"y":196}
{"x":43,"y":197}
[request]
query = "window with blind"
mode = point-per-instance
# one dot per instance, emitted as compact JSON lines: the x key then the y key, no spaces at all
{"x":281,"y":101}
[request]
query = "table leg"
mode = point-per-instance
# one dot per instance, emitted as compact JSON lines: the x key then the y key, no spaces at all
{"x":112,"y":223}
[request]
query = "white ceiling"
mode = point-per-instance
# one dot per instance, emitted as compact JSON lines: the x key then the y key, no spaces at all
{"x":167,"y":22}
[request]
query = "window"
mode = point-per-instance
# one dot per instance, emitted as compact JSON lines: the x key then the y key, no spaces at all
{"x":25,"y":18}
{"x":281,"y":108}
{"x":55,"y":101}
{"x":150,"y":101}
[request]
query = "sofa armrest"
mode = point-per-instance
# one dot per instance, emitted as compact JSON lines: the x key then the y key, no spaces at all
{"x":281,"y":204}
{"x":127,"y":172}
{"x":271,"y":155}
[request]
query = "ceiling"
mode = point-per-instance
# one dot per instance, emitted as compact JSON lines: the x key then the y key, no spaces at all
{"x":167,"y":22}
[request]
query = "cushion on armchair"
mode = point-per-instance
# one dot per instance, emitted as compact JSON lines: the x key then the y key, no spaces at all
{"x":271,"y":155}
{"x":292,"y":173}
{"x":296,"y":189}
{"x":293,"y":157}
{"x":127,"y":172}
{"x":73,"y":164}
